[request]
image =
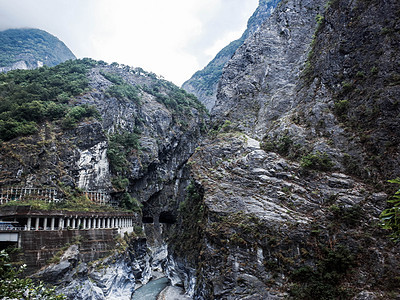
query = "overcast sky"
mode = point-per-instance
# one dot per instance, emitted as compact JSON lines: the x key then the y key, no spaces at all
{"x":172,"y":38}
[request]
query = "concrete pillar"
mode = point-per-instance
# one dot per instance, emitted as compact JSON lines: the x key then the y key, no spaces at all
{"x":53,"y":221}
{"x":94,"y":222}
{"x":89,"y":223}
{"x":37,"y":224}
{"x":78,"y":226}
{"x":73,"y":223}
{"x":29,"y":223}
{"x":45,"y":223}
{"x":84,"y":223}
{"x":108,"y":223}
{"x":68,"y":222}
{"x":61,"y":223}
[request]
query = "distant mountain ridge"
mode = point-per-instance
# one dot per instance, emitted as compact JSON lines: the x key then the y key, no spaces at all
{"x":204,"y":83}
{"x":29,"y":48}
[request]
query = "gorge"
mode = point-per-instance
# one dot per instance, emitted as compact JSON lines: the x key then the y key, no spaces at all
{"x":275,"y":193}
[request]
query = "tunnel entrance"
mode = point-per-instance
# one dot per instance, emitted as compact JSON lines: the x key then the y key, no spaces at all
{"x":147,"y":219}
{"x":167,"y":217}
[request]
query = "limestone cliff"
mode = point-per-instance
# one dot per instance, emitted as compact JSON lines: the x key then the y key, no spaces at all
{"x":132,"y":147}
{"x":146,"y":130}
{"x":30,"y":48}
{"x":282,"y":197}
{"x":204,"y":83}
{"x":288,"y":187}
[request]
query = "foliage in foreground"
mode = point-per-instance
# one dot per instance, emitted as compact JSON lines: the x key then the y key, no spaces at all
{"x":390,"y":217}
{"x":14,"y":287}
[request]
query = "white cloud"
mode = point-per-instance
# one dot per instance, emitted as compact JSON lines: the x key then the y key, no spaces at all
{"x":172,"y":38}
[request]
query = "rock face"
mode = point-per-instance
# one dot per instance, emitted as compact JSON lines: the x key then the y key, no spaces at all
{"x":80,"y":157}
{"x":204,"y":83}
{"x":115,"y":277}
{"x":282,"y":197}
{"x":31,"y":48}
{"x":138,"y":148}
{"x":285,"y":196}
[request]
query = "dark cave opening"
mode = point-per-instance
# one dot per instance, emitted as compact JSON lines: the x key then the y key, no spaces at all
{"x":147,"y":219}
{"x":167,"y":217}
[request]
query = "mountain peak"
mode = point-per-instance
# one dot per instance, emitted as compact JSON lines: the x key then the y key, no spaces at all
{"x":29,"y":48}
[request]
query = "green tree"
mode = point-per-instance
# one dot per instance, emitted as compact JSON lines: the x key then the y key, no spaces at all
{"x":390,"y":217}
{"x":12,"y":286}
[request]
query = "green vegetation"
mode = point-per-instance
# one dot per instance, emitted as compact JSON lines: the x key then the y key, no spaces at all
{"x":75,"y":200}
{"x":323,"y":281}
{"x":31,"y":45}
{"x":13,"y":286}
{"x":120,"y":147}
{"x":188,"y":240}
{"x":174,"y":98}
{"x":282,"y":145}
{"x":119,"y":183}
{"x":341,"y":107}
{"x":79,"y":113}
{"x":390,"y":217}
{"x":319,"y":19}
{"x":351,"y":216}
{"x":121,"y":89}
{"x":29,"y":97}
{"x":317,"y":161}
{"x":130,"y":203}
{"x":114,"y":78}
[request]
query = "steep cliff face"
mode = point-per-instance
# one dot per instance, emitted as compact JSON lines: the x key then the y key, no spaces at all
{"x":113,"y":277}
{"x":204,"y":83}
{"x":30,"y":49}
{"x":142,"y":141}
{"x":134,"y":151}
{"x":286,"y":200}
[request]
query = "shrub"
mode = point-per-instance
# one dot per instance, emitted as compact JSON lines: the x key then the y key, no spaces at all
{"x":78,"y":113}
{"x":323,"y":281}
{"x":122,"y":91}
{"x":12,"y":286}
{"x":341,"y":107}
{"x":32,"y":96}
{"x":390,"y":217}
{"x":119,"y":148}
{"x":317,"y":161}
{"x":119,"y":183}
{"x":130,"y":203}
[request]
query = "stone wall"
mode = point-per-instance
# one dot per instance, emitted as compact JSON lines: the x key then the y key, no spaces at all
{"x":40,"y":246}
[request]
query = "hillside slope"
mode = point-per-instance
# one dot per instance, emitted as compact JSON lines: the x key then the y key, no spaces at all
{"x":204,"y":83}
{"x":31,"y":48}
{"x":288,"y":188}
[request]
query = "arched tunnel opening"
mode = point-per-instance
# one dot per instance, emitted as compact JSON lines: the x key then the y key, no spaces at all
{"x":167,"y":217}
{"x":147,"y":219}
